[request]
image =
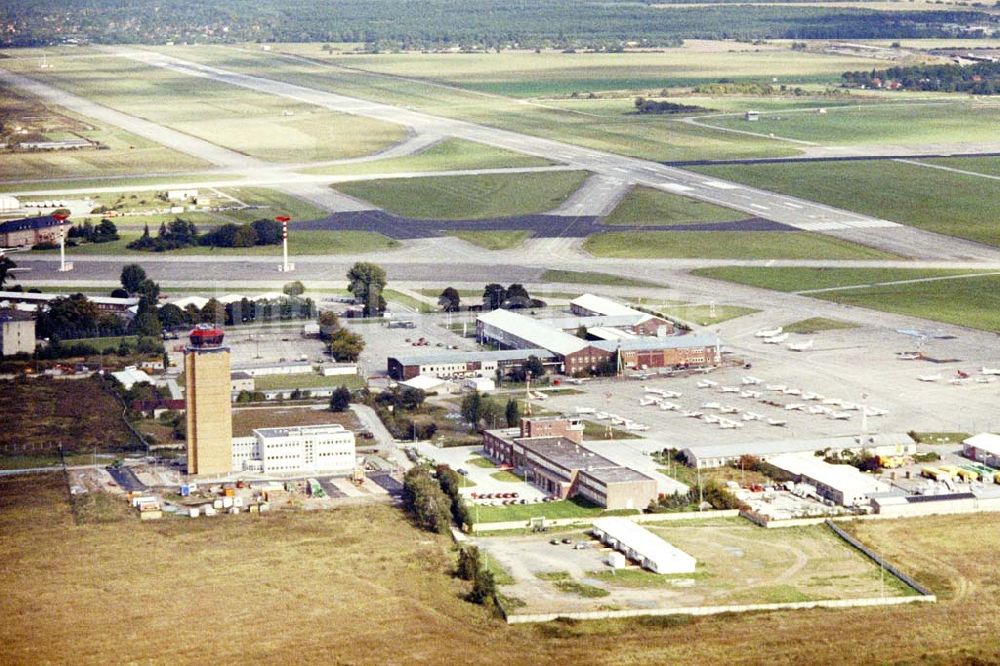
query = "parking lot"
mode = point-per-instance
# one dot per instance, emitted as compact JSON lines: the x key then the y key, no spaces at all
{"x":458,"y":458}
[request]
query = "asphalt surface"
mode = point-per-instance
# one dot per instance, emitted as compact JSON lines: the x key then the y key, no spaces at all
{"x":126,"y":479}
{"x":834,"y":158}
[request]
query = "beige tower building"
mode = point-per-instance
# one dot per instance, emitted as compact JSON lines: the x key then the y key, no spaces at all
{"x":209,"y":404}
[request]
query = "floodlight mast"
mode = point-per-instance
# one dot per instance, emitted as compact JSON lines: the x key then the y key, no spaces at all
{"x":285,"y":266}
{"x":61,"y":218}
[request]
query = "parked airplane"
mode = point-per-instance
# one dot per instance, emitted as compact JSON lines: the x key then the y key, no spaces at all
{"x":908,"y":356}
{"x":985,"y":380}
{"x":800,"y":346}
{"x":671,"y":394}
{"x":751,"y":416}
{"x":840,"y":416}
{"x":750,"y":381}
{"x":750,"y":394}
{"x":990,"y":371}
{"x":795,"y":406}
{"x":711,"y":405}
{"x":578,"y":380}
{"x":711,"y":418}
{"x":645,"y":402}
{"x":728,"y":410}
{"x":775,"y":387}
{"x":586,"y":410}
{"x":769,"y":332}
{"x":776,"y":340}
{"x":693,"y":414}
{"x":707,"y":383}
{"x":777,"y":422}
{"x":810,"y":396}
{"x":792,"y":391}
{"x":669,"y":406}
{"x":728,"y":389}
{"x":819,"y":409}
{"x":602,"y":416}
{"x":930,"y":378}
{"x":875,"y":411}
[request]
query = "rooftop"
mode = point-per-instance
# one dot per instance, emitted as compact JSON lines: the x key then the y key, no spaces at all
{"x":643,"y":343}
{"x":645,"y":543}
{"x":28,"y":223}
{"x":465,"y":356}
{"x":775,"y":447}
{"x":985,"y":441}
{"x":572,"y":456}
{"x":602,"y":305}
{"x":533,"y":331}
{"x":844,"y":478}
{"x":301,"y":431}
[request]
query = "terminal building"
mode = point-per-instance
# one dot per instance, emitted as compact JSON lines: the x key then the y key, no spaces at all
{"x":642,"y":546}
{"x":549,"y":451}
{"x":318,"y":448}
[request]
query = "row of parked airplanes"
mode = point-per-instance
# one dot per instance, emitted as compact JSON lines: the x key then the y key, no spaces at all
{"x":777,"y":335}
{"x":834,"y":408}
{"x":628,"y":424}
{"x":987,"y":376}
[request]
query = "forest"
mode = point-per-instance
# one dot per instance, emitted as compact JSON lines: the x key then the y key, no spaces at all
{"x":483,"y":24}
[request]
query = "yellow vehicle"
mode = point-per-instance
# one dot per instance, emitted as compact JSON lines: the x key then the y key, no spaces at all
{"x":935,"y":473}
{"x":959,"y":473}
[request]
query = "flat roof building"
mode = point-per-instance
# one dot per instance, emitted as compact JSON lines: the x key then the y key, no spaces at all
{"x":327,"y":448}
{"x":984,"y":448}
{"x":462,"y":364}
{"x":17,"y":333}
{"x":106,"y":303}
{"x":588,"y":305}
{"x":718,"y":455}
{"x":550,"y":453}
{"x":639,"y":544}
{"x":842,"y":484}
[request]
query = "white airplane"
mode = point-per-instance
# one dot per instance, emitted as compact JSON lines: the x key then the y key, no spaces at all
{"x":632,"y":425}
{"x":711,"y":418}
{"x":538,"y":395}
{"x":726,"y":424}
{"x":750,"y":394}
{"x":617,"y":420}
{"x":578,"y":380}
{"x":602,"y":416}
{"x":671,"y":394}
{"x":586,"y":410}
{"x":728,"y":389}
{"x":930,"y":378}
{"x":776,"y":340}
{"x":832,"y":401}
{"x":792,"y":391}
{"x":645,"y":402}
{"x":985,"y":380}
{"x":908,"y":356}
{"x":750,"y":381}
{"x":711,"y":405}
{"x":729,"y":410}
{"x":777,"y":422}
{"x":819,"y":409}
{"x":797,"y":406}
{"x":769,"y":332}
{"x":693,"y":414}
{"x":669,"y":406}
{"x":875,"y":411}
{"x":840,"y":416}
{"x":810,"y":396}
{"x":775,"y":387}
{"x":751,"y":416}
{"x":707,"y":383}
{"x":849,"y":406}
{"x":800,"y":346}
{"x":989,"y":371}
{"x":651,"y":389}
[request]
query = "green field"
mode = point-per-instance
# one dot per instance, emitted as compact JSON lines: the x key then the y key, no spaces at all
{"x":989,"y":166}
{"x":468,"y":197}
{"x":807,"y":279}
{"x":494,"y":240}
{"x":914,"y":123}
{"x":706,"y":315}
{"x":305,"y":381}
{"x":649,"y":206}
{"x":407,"y":301}
{"x":590,"y":277}
{"x":932,"y":199}
{"x":727,"y":245}
{"x":448,"y":155}
{"x":817,"y":324}
{"x":102,"y":344}
{"x":571,"y":508}
{"x":972,"y":301}
{"x":263,"y":126}
{"x":110,"y":181}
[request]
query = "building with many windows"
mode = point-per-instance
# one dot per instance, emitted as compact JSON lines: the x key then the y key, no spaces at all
{"x":325,"y":448}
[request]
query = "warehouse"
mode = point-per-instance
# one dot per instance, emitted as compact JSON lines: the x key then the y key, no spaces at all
{"x":589,"y":305}
{"x":550,"y":453}
{"x":638,"y":323}
{"x":842,"y":484}
{"x":983,"y":448}
{"x":718,"y":455}
{"x":463,"y":364}
{"x":317,"y":448}
{"x":639,"y":544}
{"x":678,"y":352}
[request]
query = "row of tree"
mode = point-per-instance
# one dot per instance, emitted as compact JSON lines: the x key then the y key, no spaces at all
{"x":104,"y":231}
{"x":180,"y":233}
{"x":495,"y":296}
{"x":982,"y":78}
{"x":478,"y":409}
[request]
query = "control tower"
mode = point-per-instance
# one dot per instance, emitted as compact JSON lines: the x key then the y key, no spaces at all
{"x":209,"y":404}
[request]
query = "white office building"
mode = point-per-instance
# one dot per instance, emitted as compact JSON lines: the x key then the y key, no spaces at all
{"x":319,"y":448}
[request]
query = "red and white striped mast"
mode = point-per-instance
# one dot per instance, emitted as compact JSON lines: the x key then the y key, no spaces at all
{"x":284,"y":219}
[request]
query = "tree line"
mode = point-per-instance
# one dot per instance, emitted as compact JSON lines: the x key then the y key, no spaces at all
{"x":180,"y":233}
{"x":981,"y":78}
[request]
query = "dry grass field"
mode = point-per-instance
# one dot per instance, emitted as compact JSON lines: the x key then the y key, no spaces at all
{"x":361,"y":586}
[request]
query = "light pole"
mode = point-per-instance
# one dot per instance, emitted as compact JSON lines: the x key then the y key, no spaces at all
{"x":61,"y":218}
{"x":285,"y":266}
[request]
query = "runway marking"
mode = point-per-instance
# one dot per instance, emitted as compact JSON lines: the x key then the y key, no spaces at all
{"x":720,"y":185}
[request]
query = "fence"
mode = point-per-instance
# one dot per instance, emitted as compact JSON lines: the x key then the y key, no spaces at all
{"x":879,"y":560}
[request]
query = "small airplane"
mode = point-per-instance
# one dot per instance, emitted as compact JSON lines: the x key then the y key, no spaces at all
{"x":777,"y":422}
{"x":750,"y":381}
{"x":694,"y":414}
{"x":840,"y":416}
{"x":728,"y":410}
{"x":728,"y":389}
{"x":669,"y":406}
{"x":989,"y":371}
{"x":726,"y":424}
{"x":930,"y":378}
{"x":671,"y":394}
{"x":769,"y":332}
{"x":707,"y":383}
{"x":617,"y":420}
{"x":751,"y":416}
{"x":811,"y":396}
{"x":819,"y":409}
{"x":832,"y":401}
{"x":711,"y":418}
{"x":578,"y":380}
{"x":985,"y":380}
{"x":652,"y":389}
{"x":849,"y":406}
{"x":875,"y":411}
{"x":586,"y":410}
{"x":645,"y":402}
{"x":776,"y":340}
{"x":711,"y":405}
{"x":602,"y":416}
{"x":792,"y":391}
{"x":775,"y":387}
{"x":908,"y":356}
{"x":798,"y":406}
{"x":750,"y":394}
{"x":800,"y":346}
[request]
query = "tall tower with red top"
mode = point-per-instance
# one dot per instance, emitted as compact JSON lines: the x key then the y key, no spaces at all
{"x":209,"y":404}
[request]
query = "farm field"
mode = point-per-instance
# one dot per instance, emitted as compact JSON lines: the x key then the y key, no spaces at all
{"x":918,"y":122}
{"x":972,"y":301}
{"x":494,"y":240}
{"x":409,"y":597}
{"x":649,"y":206}
{"x":468,"y":197}
{"x":931,"y":199}
{"x":42,"y":413}
{"x":726,"y":245}
{"x":263,"y":126}
{"x":448,"y":155}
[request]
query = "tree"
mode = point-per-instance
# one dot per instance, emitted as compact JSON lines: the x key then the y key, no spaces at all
{"x":535,"y":366}
{"x":294,"y":289}
{"x":245,"y":236}
{"x":346,"y":346}
{"x":7,"y":266}
{"x":469,"y":563}
{"x":367,"y":280}
{"x":340,"y":400}
{"x":214,"y":312}
{"x":132,"y":276}
{"x":268,"y":231}
{"x":170,"y":316}
{"x":517,"y":297}
{"x":449,"y":300}
{"x":484,"y":588}
{"x":329,"y":324}
{"x":581,"y":332}
{"x":513,"y":413}
{"x":146,"y":323}
{"x":492,"y":413}
{"x":149,"y":290}
{"x":471,"y":407}
{"x":493,"y":296}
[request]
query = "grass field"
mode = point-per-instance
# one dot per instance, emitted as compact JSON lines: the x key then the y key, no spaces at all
{"x":649,"y":206}
{"x":247,"y":419}
{"x":726,"y":245}
{"x":468,"y":197}
{"x":409,"y":302}
{"x":940,"y":201}
{"x":263,"y":126}
{"x":382,"y":591}
{"x":306,"y":381}
{"x":43,"y":413}
{"x":817,"y":324}
{"x":448,"y":155}
{"x":915,"y":123}
{"x":989,"y":166}
{"x":103,"y":343}
{"x":590,"y":277}
{"x":571,"y":508}
{"x":494,"y":240}
{"x":972,"y":301}
{"x":706,"y":315}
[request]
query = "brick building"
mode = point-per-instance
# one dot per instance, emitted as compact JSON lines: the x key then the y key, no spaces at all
{"x":29,"y":231}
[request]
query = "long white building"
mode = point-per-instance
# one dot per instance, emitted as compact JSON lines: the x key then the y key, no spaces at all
{"x":318,"y":448}
{"x":843,"y":484}
{"x":639,"y":544}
